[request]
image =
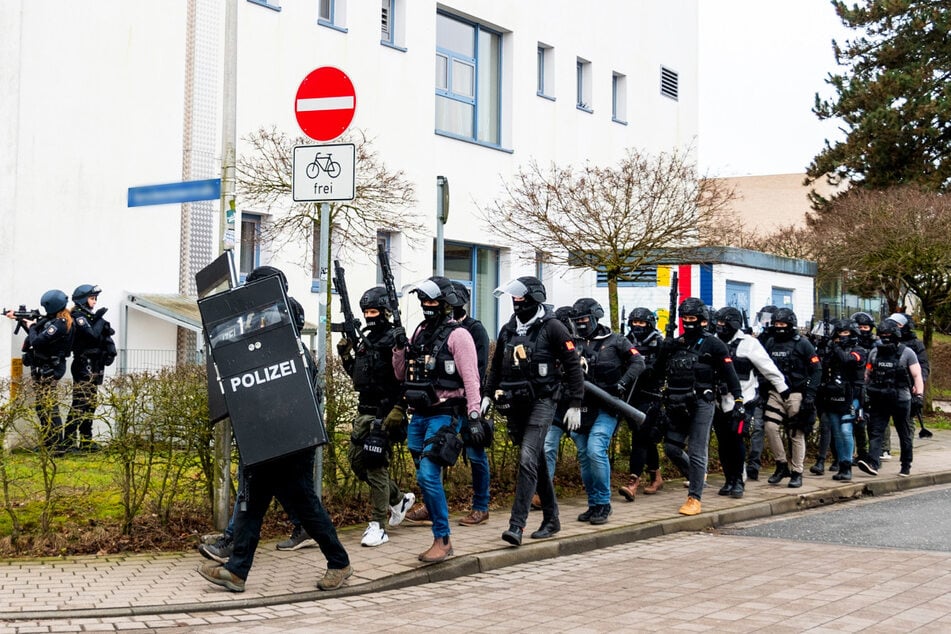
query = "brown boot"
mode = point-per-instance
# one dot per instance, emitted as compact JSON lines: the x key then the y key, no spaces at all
{"x":439,"y":551}
{"x":656,"y":483}
{"x":629,"y":491}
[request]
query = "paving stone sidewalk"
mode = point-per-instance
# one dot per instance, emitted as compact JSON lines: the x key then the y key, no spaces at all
{"x":143,"y":584}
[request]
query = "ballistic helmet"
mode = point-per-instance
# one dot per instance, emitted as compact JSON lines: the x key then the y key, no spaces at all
{"x":642,"y":314}
{"x":863,"y":319}
{"x":786,"y":316}
{"x":262,"y":272}
{"x":375,"y":297}
{"x":731,"y":316}
{"x":53,"y":301}
{"x":526,"y":286}
{"x":461,"y":291}
{"x":439,"y":288}
{"x":84,"y":292}
{"x":564,"y":315}
{"x":587,"y":311}
{"x":693,"y":306}
{"x":889,"y":331}
{"x":840,"y":325}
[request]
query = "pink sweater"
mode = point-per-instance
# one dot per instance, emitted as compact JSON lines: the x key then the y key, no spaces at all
{"x":463,"y":351}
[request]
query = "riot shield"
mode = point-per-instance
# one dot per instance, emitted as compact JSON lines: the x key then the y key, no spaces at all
{"x":262,"y":371}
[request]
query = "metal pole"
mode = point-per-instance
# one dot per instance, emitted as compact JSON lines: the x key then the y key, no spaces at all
{"x":223,"y":432}
{"x":324,"y":275}
{"x":442,"y":214}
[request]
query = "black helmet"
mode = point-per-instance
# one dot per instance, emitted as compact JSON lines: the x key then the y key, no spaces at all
{"x":732,"y":320}
{"x":526,"y":286}
{"x":262,"y":272}
{"x":439,"y":288}
{"x":53,"y":301}
{"x":375,"y":297}
{"x":840,"y":325}
{"x":786,"y":316}
{"x":863,"y":319}
{"x":587,"y":312}
{"x":642,"y":314}
{"x":461,"y":291}
{"x":693,"y":306}
{"x":889,"y":331}
{"x":84,"y":292}
{"x":564,"y":315}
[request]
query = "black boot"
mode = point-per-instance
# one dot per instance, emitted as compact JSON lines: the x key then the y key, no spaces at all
{"x":819,"y":468}
{"x":548,"y":529}
{"x":845,"y":472}
{"x":513,"y":535}
{"x":738,"y":488}
{"x":782,"y":471}
{"x":795,"y":480}
{"x":727,"y":487}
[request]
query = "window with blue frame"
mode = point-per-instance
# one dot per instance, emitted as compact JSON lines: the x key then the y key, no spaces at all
{"x":392,"y":24}
{"x":478,"y":268}
{"x":782,"y":297}
{"x":583,"y":84}
{"x":468,"y":80}
{"x":332,"y":13}
{"x":643,"y":276}
{"x":250,"y":244}
{"x":618,"y":98}
{"x":270,"y":4}
{"x":545,"y":82}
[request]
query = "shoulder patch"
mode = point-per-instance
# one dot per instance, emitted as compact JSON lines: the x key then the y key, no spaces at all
{"x":814,"y":359}
{"x":728,"y":359}
{"x":81,"y":321}
{"x":569,"y":345}
{"x":634,"y":351}
{"x":51,"y":330}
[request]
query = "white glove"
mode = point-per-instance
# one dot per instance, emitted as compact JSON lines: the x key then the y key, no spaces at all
{"x":486,"y":404}
{"x":573,"y":419}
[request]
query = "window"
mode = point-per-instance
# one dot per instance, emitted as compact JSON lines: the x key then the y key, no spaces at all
{"x":478,"y":268}
{"x":644,"y":276}
{"x":332,"y":13}
{"x":250,"y":244}
{"x":270,"y":4}
{"x":782,"y":297}
{"x":392,"y":29}
{"x":383,"y":239}
{"x":546,"y":71}
{"x":669,"y":83}
{"x":583,"y":84}
{"x":468,"y":76}
{"x":618,"y":98}
{"x":738,"y":295}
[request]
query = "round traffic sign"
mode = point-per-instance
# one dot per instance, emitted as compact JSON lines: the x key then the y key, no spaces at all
{"x":325,"y":103}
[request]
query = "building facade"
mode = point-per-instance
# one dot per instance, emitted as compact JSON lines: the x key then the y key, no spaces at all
{"x":122,"y":93}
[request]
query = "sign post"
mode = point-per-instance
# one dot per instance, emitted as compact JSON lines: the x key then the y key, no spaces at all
{"x":324,"y":106}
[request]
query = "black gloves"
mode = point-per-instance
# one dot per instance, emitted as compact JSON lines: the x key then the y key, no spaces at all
{"x":622,"y":389}
{"x":917,"y":404}
{"x":399,"y":337}
{"x":738,"y":417}
{"x":99,"y":313}
{"x":784,"y":394}
{"x":344,"y":347}
{"x":476,"y":432}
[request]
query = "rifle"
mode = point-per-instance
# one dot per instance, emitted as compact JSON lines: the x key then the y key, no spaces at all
{"x":623,"y":320}
{"x":350,"y":326}
{"x":390,"y":284}
{"x":21,"y":315}
{"x":671,"y":329}
{"x":746,"y":322}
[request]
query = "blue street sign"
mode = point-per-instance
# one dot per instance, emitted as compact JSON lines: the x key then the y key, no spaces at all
{"x":184,"y":192}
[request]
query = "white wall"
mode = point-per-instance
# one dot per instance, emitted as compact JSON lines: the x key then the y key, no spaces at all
{"x":94,"y":104}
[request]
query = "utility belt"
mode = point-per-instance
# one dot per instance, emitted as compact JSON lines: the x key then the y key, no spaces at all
{"x":451,"y":407}
{"x":512,"y":394}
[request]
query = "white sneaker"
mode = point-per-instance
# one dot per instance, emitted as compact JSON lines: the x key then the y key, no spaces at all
{"x":374,"y":535}
{"x":398,"y":511}
{"x":886,"y":456}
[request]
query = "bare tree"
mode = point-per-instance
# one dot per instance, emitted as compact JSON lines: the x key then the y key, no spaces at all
{"x":615,"y":219}
{"x":383,"y":198}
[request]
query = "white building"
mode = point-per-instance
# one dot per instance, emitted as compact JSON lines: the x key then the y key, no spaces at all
{"x":115,"y":94}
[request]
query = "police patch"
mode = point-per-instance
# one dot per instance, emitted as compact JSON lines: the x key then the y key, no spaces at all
{"x":569,"y":345}
{"x":81,"y":321}
{"x":51,"y":330}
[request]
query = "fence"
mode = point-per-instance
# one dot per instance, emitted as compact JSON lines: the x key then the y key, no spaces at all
{"x":140,"y":360}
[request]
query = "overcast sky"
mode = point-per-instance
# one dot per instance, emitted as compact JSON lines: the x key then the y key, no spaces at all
{"x":761,"y":64}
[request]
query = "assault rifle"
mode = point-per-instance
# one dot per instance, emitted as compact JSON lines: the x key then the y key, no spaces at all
{"x":747,"y":330}
{"x":22,"y":315}
{"x":623,"y":320}
{"x":350,"y":326}
{"x":671,"y":329}
{"x":390,"y":285}
{"x":821,"y":334}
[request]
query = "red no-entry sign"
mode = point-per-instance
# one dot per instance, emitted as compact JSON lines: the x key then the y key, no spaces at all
{"x":325,"y":103}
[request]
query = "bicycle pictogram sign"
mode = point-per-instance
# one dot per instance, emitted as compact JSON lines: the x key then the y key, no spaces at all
{"x":323,"y":163}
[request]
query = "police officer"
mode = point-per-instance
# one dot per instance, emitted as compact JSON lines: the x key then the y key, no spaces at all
{"x":840,"y":390}
{"x":908,"y":337}
{"x":866,"y":341}
{"x":797,"y":360}
{"x":694,"y":365}
{"x":893,"y":380}
{"x":613,"y":364}
{"x":440,"y":374}
{"x":93,"y":350}
{"x":762,"y":330}
{"x":751,"y":361}
{"x":534,"y":353}
{"x":48,"y":344}
{"x":643,"y":334}
{"x":381,"y":418}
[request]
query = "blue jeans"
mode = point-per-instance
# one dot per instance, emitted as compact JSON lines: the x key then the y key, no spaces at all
{"x":594,"y":460}
{"x":428,"y":473}
{"x":480,"y":477}
{"x":552,"y":440}
{"x":291,"y":478}
{"x":841,"y":425}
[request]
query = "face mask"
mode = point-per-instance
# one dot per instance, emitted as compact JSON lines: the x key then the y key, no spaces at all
{"x":376,"y":323}
{"x":525,"y":309}
{"x":432,"y":313}
{"x":783,"y":334}
{"x":640,"y":332}
{"x":889,"y":340}
{"x":693,"y":329}
{"x":725,"y":332}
